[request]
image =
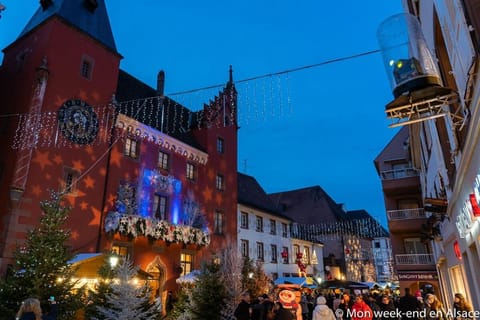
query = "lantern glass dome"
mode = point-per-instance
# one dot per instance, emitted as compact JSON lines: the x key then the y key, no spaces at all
{"x":409,"y":64}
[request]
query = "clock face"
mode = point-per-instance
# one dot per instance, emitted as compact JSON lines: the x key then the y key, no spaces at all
{"x":78,"y":121}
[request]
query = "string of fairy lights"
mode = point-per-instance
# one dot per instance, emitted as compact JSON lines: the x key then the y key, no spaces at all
{"x":261,"y":97}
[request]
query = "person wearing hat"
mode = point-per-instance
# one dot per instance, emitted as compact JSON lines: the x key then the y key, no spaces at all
{"x":322,"y":311}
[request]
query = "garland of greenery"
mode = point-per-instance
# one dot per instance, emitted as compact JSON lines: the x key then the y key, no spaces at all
{"x":154,"y":229}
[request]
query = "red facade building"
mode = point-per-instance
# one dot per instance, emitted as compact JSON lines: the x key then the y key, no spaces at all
{"x":144,"y":175}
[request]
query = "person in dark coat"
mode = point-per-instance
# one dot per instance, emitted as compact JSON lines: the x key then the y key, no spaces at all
{"x":31,"y":310}
{"x":243,"y":310}
{"x":409,"y":305}
{"x":282,"y":313}
{"x":257,"y":309}
{"x":268,"y":307}
{"x":387,"y":307}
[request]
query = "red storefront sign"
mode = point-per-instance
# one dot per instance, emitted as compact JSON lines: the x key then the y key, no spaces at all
{"x":474,"y":204}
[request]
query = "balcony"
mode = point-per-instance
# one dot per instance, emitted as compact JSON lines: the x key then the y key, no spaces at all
{"x":401,"y":181}
{"x":399,"y":174}
{"x":414,"y":259}
{"x":405,"y":214}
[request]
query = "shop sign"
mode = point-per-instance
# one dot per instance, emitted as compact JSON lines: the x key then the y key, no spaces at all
{"x":456,"y":249}
{"x":417,"y":276}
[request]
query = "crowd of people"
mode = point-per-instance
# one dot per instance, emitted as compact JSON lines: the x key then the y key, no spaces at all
{"x":356,"y":305}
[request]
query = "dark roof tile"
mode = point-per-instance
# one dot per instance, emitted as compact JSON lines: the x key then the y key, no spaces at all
{"x":252,"y":194}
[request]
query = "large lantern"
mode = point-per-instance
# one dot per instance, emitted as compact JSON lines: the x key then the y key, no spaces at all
{"x":412,"y":71}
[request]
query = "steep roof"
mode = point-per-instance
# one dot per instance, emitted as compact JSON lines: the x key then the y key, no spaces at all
{"x":377,"y":229}
{"x":91,"y":20}
{"x":311,"y":205}
{"x":164,"y":114}
{"x":252,"y":194}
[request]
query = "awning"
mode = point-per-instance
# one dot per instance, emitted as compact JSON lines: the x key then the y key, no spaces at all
{"x":83,"y":257}
{"x":307,"y":282}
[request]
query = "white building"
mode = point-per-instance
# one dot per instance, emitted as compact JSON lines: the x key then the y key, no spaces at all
{"x":264,"y":235}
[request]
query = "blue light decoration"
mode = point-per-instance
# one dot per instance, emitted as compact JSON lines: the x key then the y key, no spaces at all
{"x":153,"y":181}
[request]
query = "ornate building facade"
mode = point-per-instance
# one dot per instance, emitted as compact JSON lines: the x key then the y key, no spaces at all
{"x":144,"y":175}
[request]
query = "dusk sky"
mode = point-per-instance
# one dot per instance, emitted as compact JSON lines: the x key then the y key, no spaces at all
{"x":311,"y":82}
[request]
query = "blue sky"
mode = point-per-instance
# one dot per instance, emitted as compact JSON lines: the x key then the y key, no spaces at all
{"x":321,"y":125}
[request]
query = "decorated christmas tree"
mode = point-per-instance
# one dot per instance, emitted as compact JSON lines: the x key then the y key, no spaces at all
{"x":41,"y":266}
{"x":127,"y":299}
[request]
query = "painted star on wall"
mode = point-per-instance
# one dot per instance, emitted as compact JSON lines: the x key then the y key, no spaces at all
{"x":42,"y":159}
{"x":89,"y":182}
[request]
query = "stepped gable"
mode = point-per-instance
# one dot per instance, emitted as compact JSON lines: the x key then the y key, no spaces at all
{"x":148,"y":109}
{"x":250,"y":193}
{"x":311,"y":205}
{"x":88,"y":16}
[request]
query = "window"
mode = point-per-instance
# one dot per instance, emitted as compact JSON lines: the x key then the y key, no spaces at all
{"x":70,"y":178}
{"x":284,"y":230}
{"x":86,"y":67}
{"x":121,"y":250}
{"x":244,"y":248}
{"x":273,"y":227}
{"x":259,"y":227}
{"x":244,"y":220}
{"x":414,"y":246}
{"x":163,"y":162}
{"x":219,"y":222}
{"x":273,"y":249}
{"x":220,"y":145}
{"x":220,"y":182}
{"x":306,"y":255}
{"x":191,"y":172}
{"x":160,"y":206}
{"x":131,"y":148}
{"x":296,"y":250}
{"x":260,"y":251}
{"x":285,"y":254}
{"x":186,"y":262}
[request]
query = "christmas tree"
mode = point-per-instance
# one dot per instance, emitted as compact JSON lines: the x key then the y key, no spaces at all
{"x":127,"y":300}
{"x":209,"y":295}
{"x":41,"y":266}
{"x":254,"y":278}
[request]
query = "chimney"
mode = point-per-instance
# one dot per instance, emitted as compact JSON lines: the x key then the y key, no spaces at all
{"x":45,"y":4}
{"x":160,"y":82}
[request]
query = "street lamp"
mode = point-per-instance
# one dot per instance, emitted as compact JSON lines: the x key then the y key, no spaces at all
{"x":113,"y":260}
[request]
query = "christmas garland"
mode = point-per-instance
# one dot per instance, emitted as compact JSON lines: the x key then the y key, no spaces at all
{"x":135,"y":226}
